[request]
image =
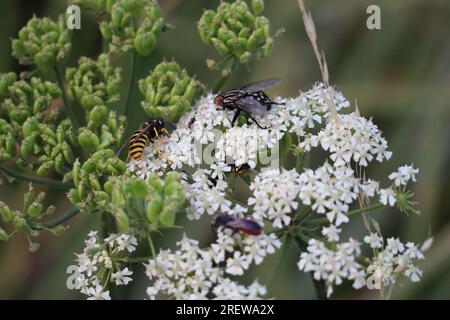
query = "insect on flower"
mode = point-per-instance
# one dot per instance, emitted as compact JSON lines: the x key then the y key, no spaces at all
{"x":146,"y":134}
{"x":246,"y":225}
{"x":249,"y":99}
{"x":237,"y":170}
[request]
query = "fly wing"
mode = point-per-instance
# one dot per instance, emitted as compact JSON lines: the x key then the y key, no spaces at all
{"x":261,"y":85}
{"x":251,"y":105}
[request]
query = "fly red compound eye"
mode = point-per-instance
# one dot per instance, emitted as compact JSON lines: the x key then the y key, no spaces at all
{"x":218,"y":100}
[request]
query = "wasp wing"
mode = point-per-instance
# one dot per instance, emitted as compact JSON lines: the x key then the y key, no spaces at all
{"x":245,"y":225}
{"x":251,"y":105}
{"x":261,"y":85}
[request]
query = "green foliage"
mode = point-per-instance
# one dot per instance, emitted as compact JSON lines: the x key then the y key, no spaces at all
{"x":90,"y":180}
{"x":42,"y":42}
{"x":94,"y":82}
{"x":129,"y":24}
{"x":237,"y":32}
{"x":27,"y":220}
{"x":142,"y":207}
{"x":169,"y":91}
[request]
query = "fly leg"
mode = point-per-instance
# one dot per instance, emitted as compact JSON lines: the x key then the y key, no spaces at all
{"x":254,"y":120}
{"x":235,"y":117}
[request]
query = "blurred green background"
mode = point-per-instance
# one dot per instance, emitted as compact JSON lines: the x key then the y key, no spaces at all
{"x":398,"y":75}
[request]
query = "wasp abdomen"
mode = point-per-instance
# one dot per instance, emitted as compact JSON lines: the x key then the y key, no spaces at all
{"x":139,"y":140}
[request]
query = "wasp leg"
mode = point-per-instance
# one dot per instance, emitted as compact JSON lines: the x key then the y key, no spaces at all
{"x":256,"y":122}
{"x":161,"y":153}
{"x":235,"y":117}
{"x":164,"y":130}
{"x":159,"y":138}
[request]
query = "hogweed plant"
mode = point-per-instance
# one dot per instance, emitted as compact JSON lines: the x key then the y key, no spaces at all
{"x":67,"y":134}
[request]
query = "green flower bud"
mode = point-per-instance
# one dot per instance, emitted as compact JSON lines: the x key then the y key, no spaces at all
{"x":138,"y":188}
{"x":74,"y":196}
{"x":56,"y":231}
{"x":133,"y":25}
{"x":245,"y":57}
{"x":67,"y":153}
{"x":88,"y":140}
{"x":268,"y":46}
{"x":19,"y":222}
{"x":145,"y":43}
{"x":108,"y":187}
{"x":234,"y":29}
{"x":35,"y":209}
{"x":117,"y":197}
{"x":45,"y":167}
{"x":10,"y":144}
{"x":94,"y":83}
{"x":94,"y":182}
{"x":30,"y":125}
{"x":154,"y":209}
{"x":3,"y":235}
{"x":98,"y":115}
{"x":167,"y":217}
{"x":60,"y":164}
{"x":162,"y":90}
{"x":42,"y":42}
{"x":258,"y":6}
{"x":5,"y":212}
{"x":122,"y":220}
{"x":6,"y":80}
{"x":156,"y":183}
{"x":33,"y":246}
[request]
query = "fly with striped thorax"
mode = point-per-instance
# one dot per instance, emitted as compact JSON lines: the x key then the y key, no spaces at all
{"x":249,"y":99}
{"x":144,"y":136}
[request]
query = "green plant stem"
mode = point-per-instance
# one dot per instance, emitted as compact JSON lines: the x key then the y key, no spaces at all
{"x":59,"y":220}
{"x":223,"y":78}
{"x":108,"y":224}
{"x":321,"y":221}
{"x":152,"y":247}
{"x":67,"y":105}
{"x":319,"y":286}
{"x":48,"y":182}
{"x":138,"y":259}
{"x":133,"y":65}
{"x":282,"y":262}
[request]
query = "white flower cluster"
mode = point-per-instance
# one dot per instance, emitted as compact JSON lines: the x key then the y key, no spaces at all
{"x":206,"y":122}
{"x":403,"y":175}
{"x":205,"y":140}
{"x":99,"y":264}
{"x":352,"y":137}
{"x":192,"y":273}
{"x":206,"y":197}
{"x":391,"y":260}
{"x":274,"y":196}
{"x":251,"y":249}
{"x":329,"y":190}
{"x":333,"y":266}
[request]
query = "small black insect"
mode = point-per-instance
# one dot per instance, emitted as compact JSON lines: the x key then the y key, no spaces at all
{"x":238,"y":170}
{"x":249,"y":99}
{"x":191,"y":122}
{"x":246,"y":225}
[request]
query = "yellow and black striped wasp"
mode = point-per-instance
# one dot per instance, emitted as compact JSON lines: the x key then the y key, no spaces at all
{"x":145,"y":135}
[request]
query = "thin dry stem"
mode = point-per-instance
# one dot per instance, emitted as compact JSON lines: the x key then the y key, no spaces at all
{"x":312,"y":35}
